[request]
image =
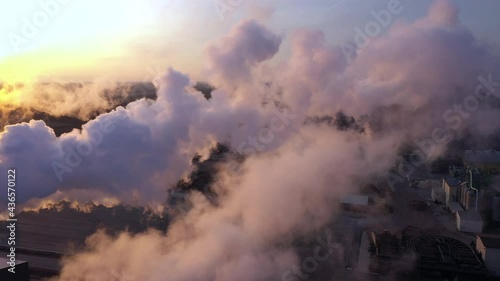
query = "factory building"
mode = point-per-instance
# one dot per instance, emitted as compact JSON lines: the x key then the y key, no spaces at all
{"x":495,"y":209}
{"x":424,"y":256}
{"x":491,"y":207}
{"x":456,"y":191}
{"x":451,"y":187}
{"x":467,"y":198}
{"x":489,"y":248}
{"x":387,"y":248}
{"x":469,"y":221}
{"x":438,"y":194}
{"x":487,"y":160}
{"x":454,"y":207}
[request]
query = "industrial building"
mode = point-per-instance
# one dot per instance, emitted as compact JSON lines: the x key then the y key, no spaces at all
{"x":466,"y":197}
{"x":489,"y":248}
{"x":387,"y":248}
{"x":455,"y":207}
{"x":450,"y":187}
{"x":487,"y":160}
{"x":495,"y":209}
{"x":469,"y":221}
{"x":425,"y":255}
{"x":438,"y":194}
{"x":456,"y":191}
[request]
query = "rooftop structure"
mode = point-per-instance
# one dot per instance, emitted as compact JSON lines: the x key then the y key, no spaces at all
{"x":452,"y":182}
{"x":455,"y":207}
{"x":487,"y":160}
{"x":469,"y":221}
{"x":434,"y":254}
{"x":360,"y":200}
{"x":486,"y":156}
{"x":470,"y":215}
{"x":495,"y":210}
{"x":451,"y":186}
{"x":355,"y":203}
{"x":387,"y":245}
{"x":489,"y":247}
{"x":438,"y":194}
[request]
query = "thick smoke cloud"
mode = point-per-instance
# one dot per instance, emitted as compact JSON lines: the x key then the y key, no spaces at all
{"x":239,"y":240}
{"x":402,"y":83}
{"x":232,"y":57}
{"x":71,"y":100}
{"x":32,"y":146}
{"x":138,"y":151}
{"x":139,"y":147}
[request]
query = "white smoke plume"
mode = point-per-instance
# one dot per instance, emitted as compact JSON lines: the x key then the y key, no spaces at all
{"x":403,"y":81}
{"x":82,"y":100}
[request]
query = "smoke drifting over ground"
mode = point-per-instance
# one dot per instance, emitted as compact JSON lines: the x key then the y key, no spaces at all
{"x":66,"y":104}
{"x":398,"y":89}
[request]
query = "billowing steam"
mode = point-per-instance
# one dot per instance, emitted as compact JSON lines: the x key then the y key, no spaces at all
{"x":301,"y":154}
{"x":33,"y":99}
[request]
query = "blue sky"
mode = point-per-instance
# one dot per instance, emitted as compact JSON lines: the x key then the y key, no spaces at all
{"x":85,"y":37}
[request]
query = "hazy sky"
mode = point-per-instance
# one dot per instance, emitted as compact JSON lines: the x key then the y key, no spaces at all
{"x":134,"y":39}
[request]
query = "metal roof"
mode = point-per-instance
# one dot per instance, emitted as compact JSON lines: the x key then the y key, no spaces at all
{"x":355,"y":200}
{"x":455,"y":207}
{"x":470,"y":215}
{"x":453,"y":182}
{"x":442,"y":253}
{"x":485,"y":156}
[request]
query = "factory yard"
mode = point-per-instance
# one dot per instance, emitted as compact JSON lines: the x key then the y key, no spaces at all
{"x":44,"y":237}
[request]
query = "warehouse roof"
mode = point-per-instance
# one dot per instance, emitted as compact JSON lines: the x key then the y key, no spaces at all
{"x":455,"y":207}
{"x":486,"y":156}
{"x":470,"y":215}
{"x":452,"y":181}
{"x":355,"y":200}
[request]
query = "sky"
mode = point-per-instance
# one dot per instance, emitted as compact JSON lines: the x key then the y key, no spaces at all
{"x":133,"y":39}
